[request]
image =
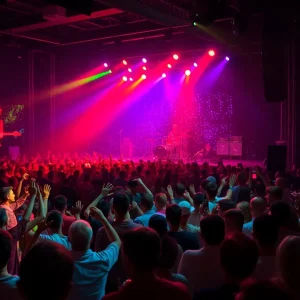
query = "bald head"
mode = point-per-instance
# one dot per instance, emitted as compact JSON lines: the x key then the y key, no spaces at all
{"x":80,"y":235}
{"x":161,"y":201}
{"x":257,"y":206}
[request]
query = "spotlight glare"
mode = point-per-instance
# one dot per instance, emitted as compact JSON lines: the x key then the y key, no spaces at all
{"x":227,"y":58}
{"x":195,"y":23}
{"x":211,"y":53}
{"x":124,"y":62}
{"x":144,"y":60}
{"x":144,"y":68}
{"x":131,"y":79}
{"x":187,"y":72}
{"x":144,"y":76}
{"x":169,"y":66}
{"x":105,"y":65}
{"x":164,"y":75}
{"x":175,"y":56}
{"x":129,"y":70}
{"x":125,"y":78}
{"x":110,"y":71}
{"x":195,"y":65}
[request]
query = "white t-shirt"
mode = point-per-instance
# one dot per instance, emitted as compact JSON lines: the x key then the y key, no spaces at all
{"x":90,"y":272}
{"x":202,"y":268}
{"x":194,"y":219}
{"x":60,"y":239}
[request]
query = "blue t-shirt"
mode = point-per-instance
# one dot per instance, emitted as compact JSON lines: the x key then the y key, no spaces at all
{"x":8,"y":288}
{"x":90,"y":272}
{"x":144,"y":219}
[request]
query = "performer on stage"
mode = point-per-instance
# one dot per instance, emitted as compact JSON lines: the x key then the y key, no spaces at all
{"x":173,"y":140}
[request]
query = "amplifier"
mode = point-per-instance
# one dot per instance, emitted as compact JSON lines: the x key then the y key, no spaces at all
{"x":223,"y":148}
{"x":236,"y":149}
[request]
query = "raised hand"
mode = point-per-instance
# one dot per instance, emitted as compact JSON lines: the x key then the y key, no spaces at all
{"x":170,"y":191}
{"x":26,"y":190}
{"x":224,"y":180}
{"x":139,"y":180}
{"x":97,"y":213}
{"x":46,"y":190}
{"x":186,"y":195}
{"x":32,"y":188}
{"x":107,"y":189}
{"x":192,"y":189}
{"x":232,"y":180}
{"x":78,"y":208}
{"x":25,"y":176}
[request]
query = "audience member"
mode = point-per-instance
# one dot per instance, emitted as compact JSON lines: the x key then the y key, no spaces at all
{"x":244,"y":206}
{"x":187,"y":240}
{"x":161,"y":202}
{"x":187,"y":210}
{"x":223,"y":206}
{"x":257,"y":208}
{"x":273,"y":194}
{"x":234,"y":221}
{"x":196,"y":215}
{"x":202,"y":267}
{"x":141,"y":252}
{"x":46,"y":263}
{"x":91,"y":268}
{"x":147,"y":209}
{"x":265,"y":233}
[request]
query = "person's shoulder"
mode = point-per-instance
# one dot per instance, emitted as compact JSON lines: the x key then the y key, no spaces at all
{"x":177,"y":289}
{"x":192,"y":253}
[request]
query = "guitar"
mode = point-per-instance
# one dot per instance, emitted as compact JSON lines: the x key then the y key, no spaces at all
{"x":14,"y":134}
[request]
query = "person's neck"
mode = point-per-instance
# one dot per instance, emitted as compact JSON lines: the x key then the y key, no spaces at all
{"x":120,"y":219}
{"x":143,"y":277}
{"x":196,"y":211}
{"x":267,"y":251}
{"x":3,"y":272}
{"x":175,"y":228}
{"x":161,"y":208}
{"x":5,"y":203}
{"x":163,"y":273}
{"x":55,"y":231}
{"x":183,"y":225}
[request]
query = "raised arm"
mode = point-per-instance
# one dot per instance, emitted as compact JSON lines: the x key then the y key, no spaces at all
{"x":105,"y":192}
{"x":223,"y":183}
{"x":141,"y":183}
{"x":171,"y":194}
{"x":112,"y":235}
{"x":19,"y":188}
{"x":46,"y":190}
{"x":231,"y":184}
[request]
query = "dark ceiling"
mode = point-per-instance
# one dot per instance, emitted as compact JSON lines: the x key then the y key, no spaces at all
{"x":160,"y":23}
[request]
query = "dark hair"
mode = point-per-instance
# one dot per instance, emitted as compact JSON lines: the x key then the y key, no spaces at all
{"x":212,"y":229}
{"x":147,"y":201}
{"x":3,"y":217}
{"x":265,"y":231}
{"x":169,"y":252}
{"x":46,"y":262}
{"x":179,"y":189}
{"x":142,"y":247}
{"x":198,"y":199}
{"x":275,"y":192}
{"x":60,"y":202}
{"x":159,"y":224}
{"x":212,"y":189}
{"x":225,"y":205}
{"x":244,"y":194}
{"x":56,"y":219}
{"x":241,"y":178}
{"x":234,"y":218}
{"x":133,"y":184}
{"x":281,"y":212}
{"x":5,"y":247}
{"x":238,"y":256}
{"x":4,"y":191}
{"x":261,"y":290}
{"x":121,"y":203}
{"x":173,"y":214}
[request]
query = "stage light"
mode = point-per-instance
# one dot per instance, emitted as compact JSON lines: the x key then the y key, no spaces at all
{"x":211,"y":53}
{"x":164,"y":75}
{"x":175,"y":56}
{"x":129,"y":70}
{"x":195,"y":24}
{"x":131,"y":79}
{"x":125,"y":78}
{"x":227,"y":58}
{"x":169,"y":66}
{"x":105,"y":65}
{"x":110,"y":71}
{"x":187,"y":72}
{"x":144,"y":68}
{"x":144,"y":60}
{"x":124,"y":62}
{"x":195,"y":65}
{"x":144,"y":76}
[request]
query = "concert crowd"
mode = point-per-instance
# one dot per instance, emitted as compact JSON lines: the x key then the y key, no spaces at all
{"x":80,"y":226}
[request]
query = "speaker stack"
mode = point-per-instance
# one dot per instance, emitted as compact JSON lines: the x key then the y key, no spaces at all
{"x":232,"y":147}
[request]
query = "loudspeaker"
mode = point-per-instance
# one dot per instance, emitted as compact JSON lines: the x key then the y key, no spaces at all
{"x":236,"y":149}
{"x":276,"y":158}
{"x":223,"y":148}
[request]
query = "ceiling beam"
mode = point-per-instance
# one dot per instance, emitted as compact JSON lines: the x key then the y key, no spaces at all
{"x":67,"y":20}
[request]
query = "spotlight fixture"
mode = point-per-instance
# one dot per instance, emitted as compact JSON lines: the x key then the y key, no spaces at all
{"x":144,"y":60}
{"x":164,"y":75}
{"x":105,"y":65}
{"x":110,"y":71}
{"x":195,"y":65}
{"x":169,"y":66}
{"x":211,"y":53}
{"x":124,"y":62}
{"x":175,"y":56}
{"x":187,"y":72}
{"x":227,"y":58}
{"x":125,"y":78}
{"x":144,"y":68}
{"x":131,"y":79}
{"x":144,"y":76}
{"x":129,"y":70}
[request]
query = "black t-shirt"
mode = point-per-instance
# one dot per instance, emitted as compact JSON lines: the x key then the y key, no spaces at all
{"x":187,"y":240}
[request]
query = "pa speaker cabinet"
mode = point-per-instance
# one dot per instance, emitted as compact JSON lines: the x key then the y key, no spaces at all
{"x":236,"y":149}
{"x":223,"y":148}
{"x":276,"y":158}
